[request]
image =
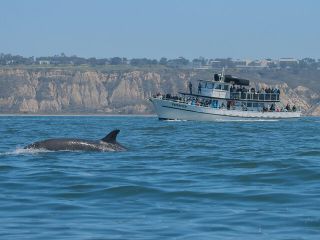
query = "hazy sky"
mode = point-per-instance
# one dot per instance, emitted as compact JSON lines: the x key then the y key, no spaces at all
{"x":156,"y":28}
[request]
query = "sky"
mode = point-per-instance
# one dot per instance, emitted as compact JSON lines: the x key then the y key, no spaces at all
{"x":240,"y":29}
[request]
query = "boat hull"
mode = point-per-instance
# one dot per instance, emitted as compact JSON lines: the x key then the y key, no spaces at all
{"x":171,"y":110}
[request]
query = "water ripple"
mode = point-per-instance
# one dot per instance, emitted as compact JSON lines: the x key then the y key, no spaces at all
{"x":179,"y":180}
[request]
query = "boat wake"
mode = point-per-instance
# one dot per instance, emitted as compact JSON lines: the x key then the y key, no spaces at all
{"x":247,"y":120}
{"x":174,"y":120}
{"x":22,"y":151}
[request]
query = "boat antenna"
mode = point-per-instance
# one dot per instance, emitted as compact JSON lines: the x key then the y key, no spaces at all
{"x":222,"y":75}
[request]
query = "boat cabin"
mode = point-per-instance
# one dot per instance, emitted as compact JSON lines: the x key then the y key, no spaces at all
{"x":220,"y":86}
{"x":214,"y":89}
{"x":224,"y":87}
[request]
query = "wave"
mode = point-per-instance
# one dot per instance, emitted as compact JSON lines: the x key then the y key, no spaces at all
{"x":174,"y":120}
{"x":129,"y":190}
{"x":22,"y":151}
{"x":247,"y":120}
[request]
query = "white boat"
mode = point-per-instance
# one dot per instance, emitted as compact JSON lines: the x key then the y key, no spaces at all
{"x":223,"y":98}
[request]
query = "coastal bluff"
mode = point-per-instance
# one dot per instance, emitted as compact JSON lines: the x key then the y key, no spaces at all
{"x":91,"y":91}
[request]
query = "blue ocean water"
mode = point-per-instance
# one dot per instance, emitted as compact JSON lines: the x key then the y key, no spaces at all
{"x":179,"y":180}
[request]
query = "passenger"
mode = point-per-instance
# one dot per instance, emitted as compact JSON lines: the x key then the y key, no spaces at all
{"x":199,"y":88}
{"x":288,"y":107}
{"x":294,"y":108}
{"x":190,"y":87}
{"x":272,"y":108}
{"x":244,"y":107}
{"x":234,"y":89}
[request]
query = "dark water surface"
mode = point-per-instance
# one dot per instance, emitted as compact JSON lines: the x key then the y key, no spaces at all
{"x":179,"y":180}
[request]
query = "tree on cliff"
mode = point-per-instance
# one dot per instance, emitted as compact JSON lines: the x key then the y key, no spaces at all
{"x":163,"y":61}
{"x":116,"y":61}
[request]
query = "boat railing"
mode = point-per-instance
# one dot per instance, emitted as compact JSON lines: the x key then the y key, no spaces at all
{"x":184,"y":101}
{"x":178,"y":100}
{"x":255,"y":96}
{"x":172,"y":98}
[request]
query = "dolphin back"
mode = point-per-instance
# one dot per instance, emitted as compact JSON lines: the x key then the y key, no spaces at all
{"x":70,"y":144}
{"x":111,"y":137}
{"x":108,"y":143}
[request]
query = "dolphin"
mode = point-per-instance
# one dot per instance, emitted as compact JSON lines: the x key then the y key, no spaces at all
{"x":106,"y":144}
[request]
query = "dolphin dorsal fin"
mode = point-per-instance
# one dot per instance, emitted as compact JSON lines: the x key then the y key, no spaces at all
{"x":111,"y":137}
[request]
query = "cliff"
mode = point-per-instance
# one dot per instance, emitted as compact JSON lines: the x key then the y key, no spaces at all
{"x":71,"y":90}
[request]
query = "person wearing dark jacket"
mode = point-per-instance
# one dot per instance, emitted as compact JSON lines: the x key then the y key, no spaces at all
{"x":190,"y":87}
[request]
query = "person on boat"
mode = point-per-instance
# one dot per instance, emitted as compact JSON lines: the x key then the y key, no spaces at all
{"x":265,"y":109}
{"x":272,"y":108}
{"x":294,"y":108}
{"x":288,"y":107}
{"x":199,"y":88}
{"x":190,"y":87}
{"x":228,"y":105}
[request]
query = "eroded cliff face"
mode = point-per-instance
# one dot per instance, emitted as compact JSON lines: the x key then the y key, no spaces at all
{"x":61,"y":91}
{"x":72,"y":91}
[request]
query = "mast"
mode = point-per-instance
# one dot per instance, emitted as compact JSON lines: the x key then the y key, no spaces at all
{"x":222,"y":75}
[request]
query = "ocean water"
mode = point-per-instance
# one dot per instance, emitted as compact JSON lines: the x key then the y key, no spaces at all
{"x":178,"y":180}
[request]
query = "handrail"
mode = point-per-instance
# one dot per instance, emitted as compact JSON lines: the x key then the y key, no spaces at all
{"x":202,"y":104}
{"x":255,"y":96}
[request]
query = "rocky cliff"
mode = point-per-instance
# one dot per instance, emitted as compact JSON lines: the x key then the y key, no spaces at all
{"x":58,"y":91}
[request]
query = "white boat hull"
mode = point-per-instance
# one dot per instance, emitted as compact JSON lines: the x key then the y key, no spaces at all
{"x":171,"y":110}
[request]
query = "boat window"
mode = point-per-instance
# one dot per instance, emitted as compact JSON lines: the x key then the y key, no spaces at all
{"x":218,"y":86}
{"x":238,"y":104}
{"x":226,"y":87}
{"x":214,"y":104}
{"x":255,"y":105}
{"x":249,"y":104}
{"x":209,"y":85}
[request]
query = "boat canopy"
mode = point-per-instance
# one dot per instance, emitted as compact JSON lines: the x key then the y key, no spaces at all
{"x":235,"y":80}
